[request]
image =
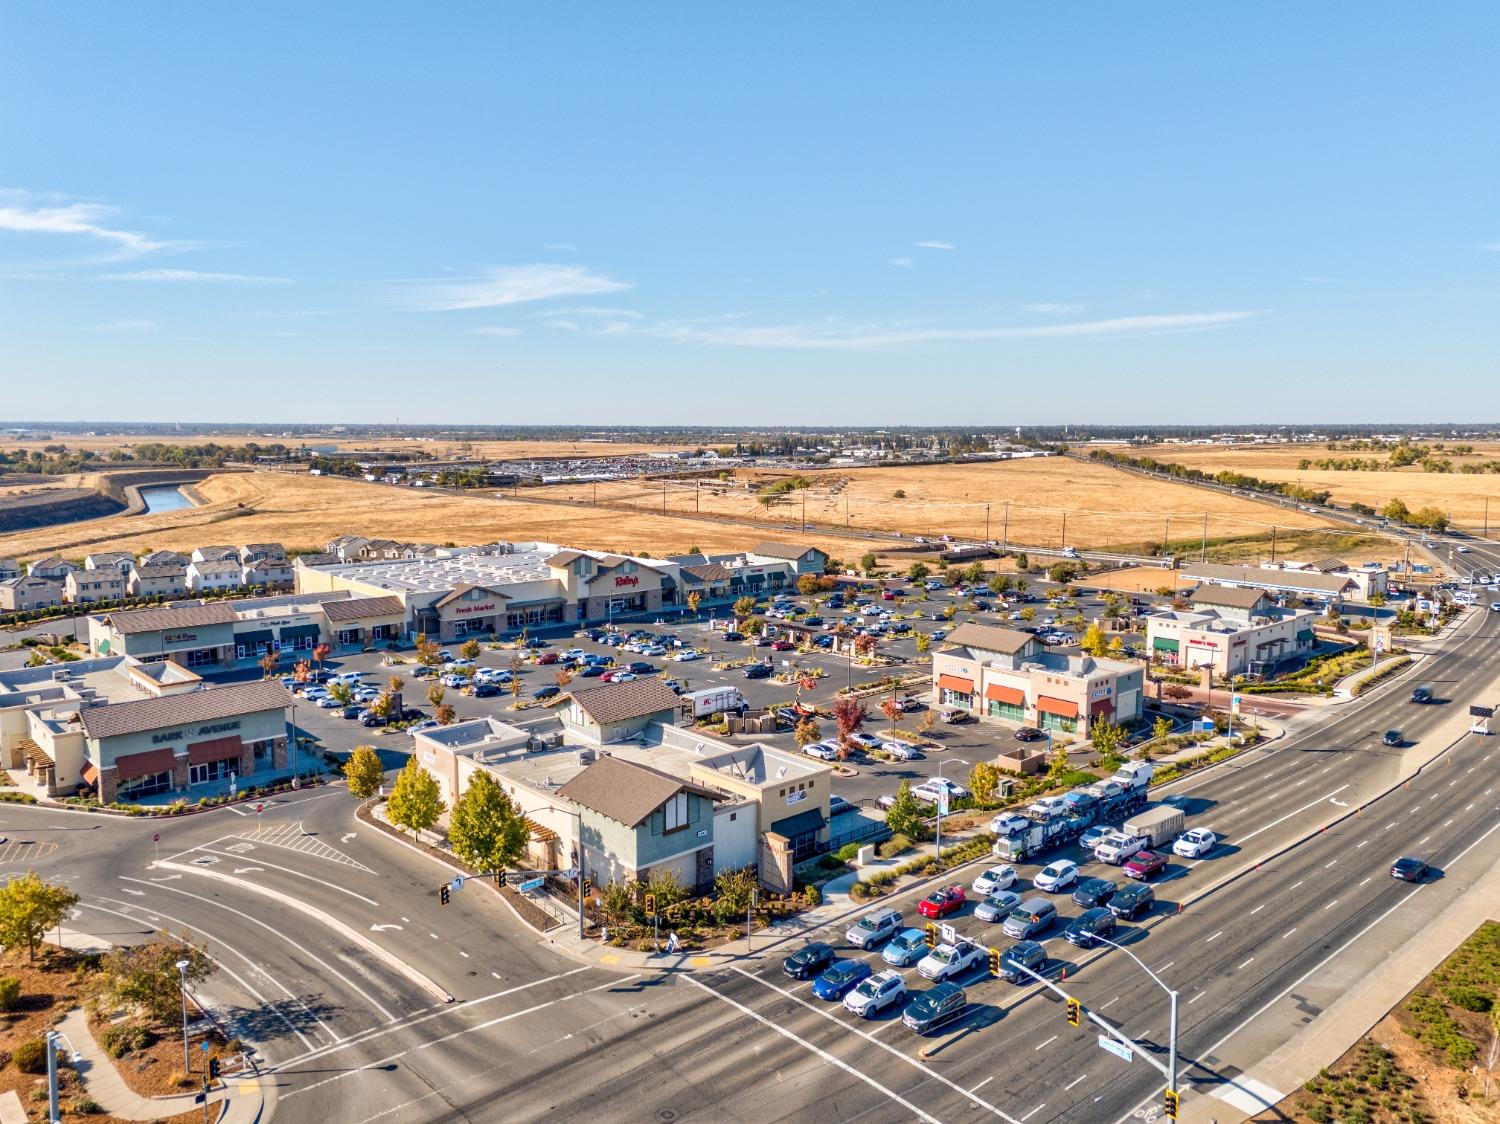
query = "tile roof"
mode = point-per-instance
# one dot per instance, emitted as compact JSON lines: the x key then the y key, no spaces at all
{"x":462,"y":588}
{"x":782,"y":550}
{"x":708,"y":572}
{"x":185,"y":616}
{"x":565,"y":558}
{"x":620,"y":702}
{"x":203,"y":705}
{"x":626,"y":792}
{"x":1227,"y":596}
{"x":990,"y":638}
{"x":227,"y":566}
{"x":161,"y":569}
{"x":361,"y":608}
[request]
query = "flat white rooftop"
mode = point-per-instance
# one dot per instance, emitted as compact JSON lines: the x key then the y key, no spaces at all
{"x":439,"y":575}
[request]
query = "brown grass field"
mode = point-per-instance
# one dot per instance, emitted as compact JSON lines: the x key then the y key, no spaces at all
{"x":1104,"y":507}
{"x":1462,"y":496}
{"x":441,"y":449}
{"x":304,"y":512}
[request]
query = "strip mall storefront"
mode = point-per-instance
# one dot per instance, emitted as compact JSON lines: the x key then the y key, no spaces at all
{"x":178,"y":757}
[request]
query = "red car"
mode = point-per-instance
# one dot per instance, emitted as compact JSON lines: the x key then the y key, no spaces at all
{"x":1144,"y":864}
{"x":940,"y":903}
{"x":547,"y":657}
{"x":782,"y":646}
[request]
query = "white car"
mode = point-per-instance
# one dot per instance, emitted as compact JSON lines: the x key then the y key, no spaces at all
{"x":451,"y":664}
{"x":901,"y":751}
{"x":928,"y":791}
{"x":328,"y":702}
{"x":875,"y":993}
{"x":949,"y":960}
{"x":865,"y":741}
{"x":995,"y":878}
{"x":823,"y":751}
{"x":1195,"y":843}
{"x":1056,"y":876}
{"x":687,"y":655}
{"x":347,"y":677}
{"x":573,"y":654}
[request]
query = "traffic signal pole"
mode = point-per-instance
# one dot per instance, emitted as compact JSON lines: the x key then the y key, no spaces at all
{"x":1167,"y":1070}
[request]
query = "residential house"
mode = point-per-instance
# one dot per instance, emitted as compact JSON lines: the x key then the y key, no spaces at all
{"x":23,"y":594}
{"x":103,"y":584}
{"x":804,"y":559}
{"x":112,"y":559}
{"x":217,"y":554}
{"x":158,"y":579}
{"x":207,"y":576}
{"x":163,"y":557}
{"x":9,"y":568}
{"x":265,"y":564}
{"x":53,"y":568}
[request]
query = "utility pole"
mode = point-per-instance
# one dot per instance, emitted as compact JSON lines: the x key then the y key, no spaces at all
{"x":1204,"y":556}
{"x":1005,"y":528}
{"x":987,"y":524}
{"x":1273,"y":542}
{"x":663,"y":497}
{"x":804,"y":510}
{"x":1064,"y":542}
{"x":182,"y":967}
{"x":1166,"y":536}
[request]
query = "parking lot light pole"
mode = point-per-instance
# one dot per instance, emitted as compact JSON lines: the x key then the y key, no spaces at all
{"x":1172,"y":1033}
{"x":182,"y":969}
{"x":954,"y":761}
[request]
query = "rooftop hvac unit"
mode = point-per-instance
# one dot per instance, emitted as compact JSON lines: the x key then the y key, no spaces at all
{"x":61,"y":675}
{"x":586,"y":756}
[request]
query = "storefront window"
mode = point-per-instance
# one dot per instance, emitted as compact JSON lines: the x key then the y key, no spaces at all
{"x":951,"y":697}
{"x":145,"y":786}
{"x":1057,"y":722}
{"x":1009,"y":711}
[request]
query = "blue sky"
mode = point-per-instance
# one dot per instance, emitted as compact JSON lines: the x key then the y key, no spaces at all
{"x":776,"y":214}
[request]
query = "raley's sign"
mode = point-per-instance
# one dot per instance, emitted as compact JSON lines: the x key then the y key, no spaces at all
{"x":630,"y":580}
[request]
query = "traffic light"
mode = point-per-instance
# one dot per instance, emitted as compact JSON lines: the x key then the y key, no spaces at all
{"x":1171,"y":1104}
{"x":994,"y":961}
{"x":651,"y":905}
{"x":213,"y":1068}
{"x":443,"y":893}
{"x":499,"y":878}
{"x":931,"y":937}
{"x":1075,"y":1012}
{"x":588,"y":886}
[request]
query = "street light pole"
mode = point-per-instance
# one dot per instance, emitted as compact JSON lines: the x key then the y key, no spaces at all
{"x":182,"y":968}
{"x":954,"y":761}
{"x":1171,"y":994}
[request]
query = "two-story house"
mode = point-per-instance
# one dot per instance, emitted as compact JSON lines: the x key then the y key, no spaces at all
{"x":206,"y":577}
{"x":158,"y":579}
{"x":53,"y":568}
{"x":23,"y":594}
{"x":103,"y":584}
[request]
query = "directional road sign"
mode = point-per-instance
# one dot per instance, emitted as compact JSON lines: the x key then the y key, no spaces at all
{"x":531,"y":884}
{"x":1118,"y":1049}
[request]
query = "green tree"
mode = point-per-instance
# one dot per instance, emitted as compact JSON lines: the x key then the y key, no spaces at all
{"x":415,"y":802}
{"x":906,"y":814}
{"x":428,"y":651}
{"x":1059,"y":764}
{"x":924,"y":643}
{"x":917,"y":571}
{"x":693,"y":599}
{"x":486,"y":829}
{"x":1093,"y":641}
{"x":342,"y":693}
{"x":1000,"y":584}
{"x":1396,"y":511}
{"x":435,"y":694}
{"x":807,"y":584}
{"x":668,"y":888}
{"x":364,"y":771}
{"x":1022,"y":562}
{"x":984,"y":779}
{"x":974,"y":573}
{"x":470,"y":649}
{"x":1107,"y":736}
{"x":29,"y":907}
{"x":1028,"y":613}
{"x":744,"y":607}
{"x":732,"y":890}
{"x":868,"y":561}
{"x":147,"y":976}
{"x":383,"y":705}
{"x":1116,"y":648}
{"x":1162,"y":727}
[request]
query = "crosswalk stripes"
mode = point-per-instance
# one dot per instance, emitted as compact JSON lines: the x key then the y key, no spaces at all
{"x":291,"y":837}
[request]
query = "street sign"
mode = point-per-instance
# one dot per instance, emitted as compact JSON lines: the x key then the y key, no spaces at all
{"x":942,"y":802}
{"x":456,"y":885}
{"x":1119,"y":1050}
{"x":1234,"y":704}
{"x":531,"y":884}
{"x":156,"y":838}
{"x":950,"y":934}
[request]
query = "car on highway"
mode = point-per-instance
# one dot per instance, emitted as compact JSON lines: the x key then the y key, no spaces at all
{"x":810,"y":960}
{"x":875,"y":993}
{"x":1030,"y":919}
{"x":1091,"y":837}
{"x":1393,"y":738}
{"x":940,"y":903}
{"x":995,"y":878}
{"x":1006,"y":823}
{"x":938,"y":1005}
{"x":1409,"y":869}
{"x":1132,"y":901}
{"x":1093,"y":892}
{"x":997,"y":906}
{"x":1195,"y":843}
{"x":1144,"y":865}
{"x":949,"y":961}
{"x":906,"y":947}
{"x":1422,"y":694}
{"x":1086,"y":929}
{"x":873,"y":928}
{"x":1056,"y":876}
{"x":1022,"y":954}
{"x":840,"y":979}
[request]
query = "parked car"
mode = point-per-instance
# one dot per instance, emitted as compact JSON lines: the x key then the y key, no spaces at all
{"x":874,"y":927}
{"x":901,"y":751}
{"x":865,"y":741}
{"x":823,"y":751}
{"x":938,"y":1005}
{"x":1195,"y":843}
{"x":928,"y":791}
{"x":940,"y":903}
{"x":1029,"y":734}
{"x":1086,"y":929}
{"x":1409,"y":869}
{"x":1022,"y":954}
{"x":995,"y":878}
{"x":1144,"y":865}
{"x":1132,"y":901}
{"x":949,"y":961}
{"x":840,"y":979}
{"x":1030,"y":919}
{"x":1093,"y":892}
{"x":906,"y":947}
{"x":758,"y":671}
{"x":997,"y":906}
{"x":485,"y":690}
{"x":1056,"y":876}
{"x":808,"y":961}
{"x":328,"y":702}
{"x":354,"y":710}
{"x":782,"y":645}
{"x":548,"y":692}
{"x":875,"y":993}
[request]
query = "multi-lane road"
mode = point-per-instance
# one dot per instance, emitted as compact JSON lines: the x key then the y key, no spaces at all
{"x":336,"y":960}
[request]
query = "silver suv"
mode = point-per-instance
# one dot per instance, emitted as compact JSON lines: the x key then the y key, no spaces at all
{"x":1030,"y":918}
{"x":873,"y":928}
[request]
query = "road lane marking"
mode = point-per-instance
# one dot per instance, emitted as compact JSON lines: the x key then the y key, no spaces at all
{"x":309,"y":877}
{"x":1367,"y":878}
{"x":1246,"y":964}
{"x":1362,"y":842}
{"x":1110,"y":1004}
{"x":1215,"y":937}
{"x":1289,"y":932}
{"x":1330,"y":905}
{"x":1197,"y":997}
{"x":982,"y":1084}
{"x":1045,"y":1044}
{"x":1448,"y":824}
{"x":819,"y":1051}
{"x":1422,"y":840}
{"x":1167,"y":965}
{"x":1033,"y":1112}
{"x":1327,"y":865}
{"x":1257,"y":909}
{"x":1073,"y":1082}
{"x":1294,"y":885}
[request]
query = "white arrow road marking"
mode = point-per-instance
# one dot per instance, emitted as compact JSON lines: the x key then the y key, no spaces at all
{"x":137,"y":893}
{"x":1337,"y":803}
{"x":347,"y":836}
{"x":167,"y":878}
{"x":247,"y":869}
{"x":382,"y":928}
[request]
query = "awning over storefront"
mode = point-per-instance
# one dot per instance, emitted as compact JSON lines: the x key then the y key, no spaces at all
{"x":540,"y":832}
{"x":1162,"y":644}
{"x":1000,"y":693}
{"x":261,"y":636}
{"x":1306,"y":634}
{"x":1101,"y":706}
{"x":956,"y":683}
{"x":91,"y":774}
{"x":1060,"y":707}
{"x":217,"y":749}
{"x":145,"y":764}
{"x":299,"y":632}
{"x":800,"y":824}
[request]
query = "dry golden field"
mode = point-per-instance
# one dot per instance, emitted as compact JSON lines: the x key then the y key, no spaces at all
{"x":1462,"y":496}
{"x":441,"y":449}
{"x":1103,"y":507}
{"x":304,"y":512}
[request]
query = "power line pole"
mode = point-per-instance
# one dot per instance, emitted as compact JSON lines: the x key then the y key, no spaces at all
{"x":1064,"y":542}
{"x":1273,"y":542}
{"x":1204,"y":556}
{"x":1005,"y":528}
{"x":987,"y":524}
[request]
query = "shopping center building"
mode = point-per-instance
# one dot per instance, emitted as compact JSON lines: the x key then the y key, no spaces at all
{"x":121,"y":728}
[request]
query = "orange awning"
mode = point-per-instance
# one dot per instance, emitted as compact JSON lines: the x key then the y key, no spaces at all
{"x":145,"y":764}
{"x":1060,"y":707}
{"x":218,"y":749}
{"x":1003,"y":694}
{"x":956,"y":683}
{"x":1101,"y":706}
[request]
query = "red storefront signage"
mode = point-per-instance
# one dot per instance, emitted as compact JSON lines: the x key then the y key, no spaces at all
{"x":488,"y":608}
{"x":627,"y":581}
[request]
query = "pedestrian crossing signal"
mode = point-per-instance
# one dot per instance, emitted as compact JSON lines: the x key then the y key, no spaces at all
{"x":1171,"y":1104}
{"x":931,"y":937}
{"x":1075,"y":1012}
{"x":994,"y":961}
{"x":443,"y":893}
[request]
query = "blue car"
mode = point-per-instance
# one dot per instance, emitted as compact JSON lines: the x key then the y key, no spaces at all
{"x":906,"y":947}
{"x":840,"y":979}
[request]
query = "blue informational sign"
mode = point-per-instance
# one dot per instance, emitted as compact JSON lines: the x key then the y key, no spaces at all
{"x":531,"y":885}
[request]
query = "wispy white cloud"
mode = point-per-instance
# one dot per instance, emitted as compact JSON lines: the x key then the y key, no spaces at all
{"x":495,"y":330}
{"x":127,"y":326}
{"x":935,"y":245}
{"x":506,"y":285}
{"x":901,"y":263}
{"x":18,"y":216}
{"x":594,"y":311}
{"x":833,"y":336}
{"x":195,"y":275}
{"x":565,"y":325}
{"x":1051,"y":308}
